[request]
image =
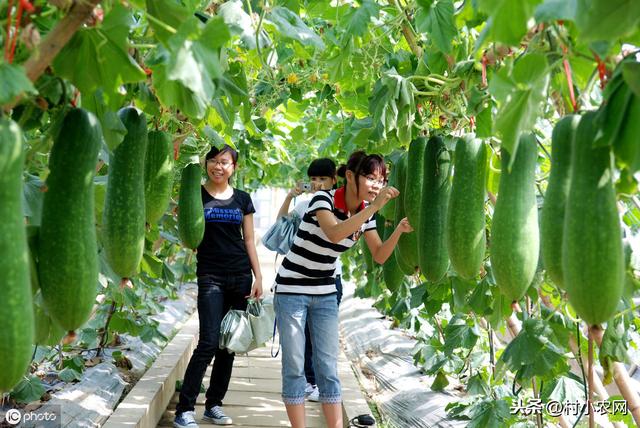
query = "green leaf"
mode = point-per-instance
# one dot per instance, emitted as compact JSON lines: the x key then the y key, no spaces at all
{"x":614,"y":346}
{"x":417,"y":293}
{"x":607,"y":19}
{"x":239,"y":23}
{"x":13,"y":82}
{"x":103,"y":53}
{"x":75,"y":363}
{"x":184,"y":76}
{"x":553,"y":10}
{"x":481,"y":299}
{"x":293,"y":27}
{"x":490,"y":414}
{"x":458,"y":334}
{"x":520,"y":91}
{"x":564,"y":389}
{"x":484,"y":123}
{"x":69,"y":375}
{"x":534,"y":352}
{"x":124,"y":323}
{"x":619,"y":411}
{"x":32,"y":198}
{"x":461,"y":289}
{"x":440,"y":382}
{"x":113,"y":130}
{"x":631,"y":75}
{"x":151,"y":265}
{"x":478,"y":386}
{"x":29,"y":389}
{"x":438,"y":23}
{"x":433,"y":358}
{"x":163,"y":14}
{"x":359,"y":19}
{"x":507,"y":21}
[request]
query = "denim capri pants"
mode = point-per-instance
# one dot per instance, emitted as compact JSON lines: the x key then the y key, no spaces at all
{"x":292,"y":312}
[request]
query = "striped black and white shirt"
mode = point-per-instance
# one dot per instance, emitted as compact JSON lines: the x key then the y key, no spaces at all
{"x":309,"y":266}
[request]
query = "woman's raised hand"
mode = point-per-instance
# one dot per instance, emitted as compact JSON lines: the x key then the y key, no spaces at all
{"x":404,"y":226}
{"x":385,"y":196}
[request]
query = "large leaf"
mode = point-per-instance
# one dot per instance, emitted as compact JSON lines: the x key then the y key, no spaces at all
{"x":614,"y":346}
{"x":552,"y":10}
{"x":185,"y":76}
{"x":484,"y":413}
{"x":13,"y":82}
{"x":239,"y":23}
{"x":359,"y":19}
{"x":490,"y":414}
{"x":507,"y":21}
{"x":438,"y":23}
{"x":607,"y":19}
{"x":520,"y":90}
{"x":293,"y":27}
{"x":113,"y":130}
{"x":99,"y":57}
{"x":163,"y":13}
{"x":458,"y":334}
{"x":29,"y":389}
{"x":534,"y":353}
{"x":564,"y":389}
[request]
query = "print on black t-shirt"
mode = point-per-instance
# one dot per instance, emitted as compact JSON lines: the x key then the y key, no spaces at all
{"x":223,"y":215}
{"x":223,"y":250}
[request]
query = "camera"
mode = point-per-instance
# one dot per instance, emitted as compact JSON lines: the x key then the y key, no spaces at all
{"x":305,"y":186}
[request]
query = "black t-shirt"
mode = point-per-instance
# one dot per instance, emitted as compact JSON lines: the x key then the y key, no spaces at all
{"x":223,"y":250}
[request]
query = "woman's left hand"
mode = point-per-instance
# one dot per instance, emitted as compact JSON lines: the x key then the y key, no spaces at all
{"x":256,"y":290}
{"x":404,"y":226}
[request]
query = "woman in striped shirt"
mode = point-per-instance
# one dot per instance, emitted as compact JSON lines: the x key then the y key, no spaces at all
{"x":305,"y":283}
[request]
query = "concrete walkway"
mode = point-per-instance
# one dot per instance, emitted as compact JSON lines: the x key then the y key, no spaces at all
{"x":254,"y":398}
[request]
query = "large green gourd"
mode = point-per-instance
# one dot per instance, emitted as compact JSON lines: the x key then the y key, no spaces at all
{"x":515,"y":238}
{"x":67,"y":244}
{"x":592,"y":250}
{"x":391,"y":272}
{"x":124,"y":210}
{"x":413,"y":190}
{"x":406,"y":252}
{"x":158,"y":175}
{"x":190,"y":208}
{"x":432,"y":244}
{"x":555,"y":199}
{"x":466,"y":237}
{"x":16,"y":334}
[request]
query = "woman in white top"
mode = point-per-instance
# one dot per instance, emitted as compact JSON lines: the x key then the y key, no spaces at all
{"x":322,"y":175}
{"x":305,"y":283}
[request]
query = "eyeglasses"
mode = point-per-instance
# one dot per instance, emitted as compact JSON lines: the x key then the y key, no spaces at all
{"x":223,"y":163}
{"x":371,"y":180}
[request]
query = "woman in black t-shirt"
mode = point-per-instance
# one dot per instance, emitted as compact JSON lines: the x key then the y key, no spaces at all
{"x":226,"y":257}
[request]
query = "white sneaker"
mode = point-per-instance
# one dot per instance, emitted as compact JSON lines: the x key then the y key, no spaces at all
{"x":185,"y":420}
{"x":217,"y":416}
{"x":314,"y":395}
{"x":308,"y":389}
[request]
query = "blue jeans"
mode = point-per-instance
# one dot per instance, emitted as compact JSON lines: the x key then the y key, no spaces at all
{"x":216,"y":295}
{"x":309,"y":373}
{"x":292,"y":313}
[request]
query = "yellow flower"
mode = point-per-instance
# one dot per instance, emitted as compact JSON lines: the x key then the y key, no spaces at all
{"x":292,"y":78}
